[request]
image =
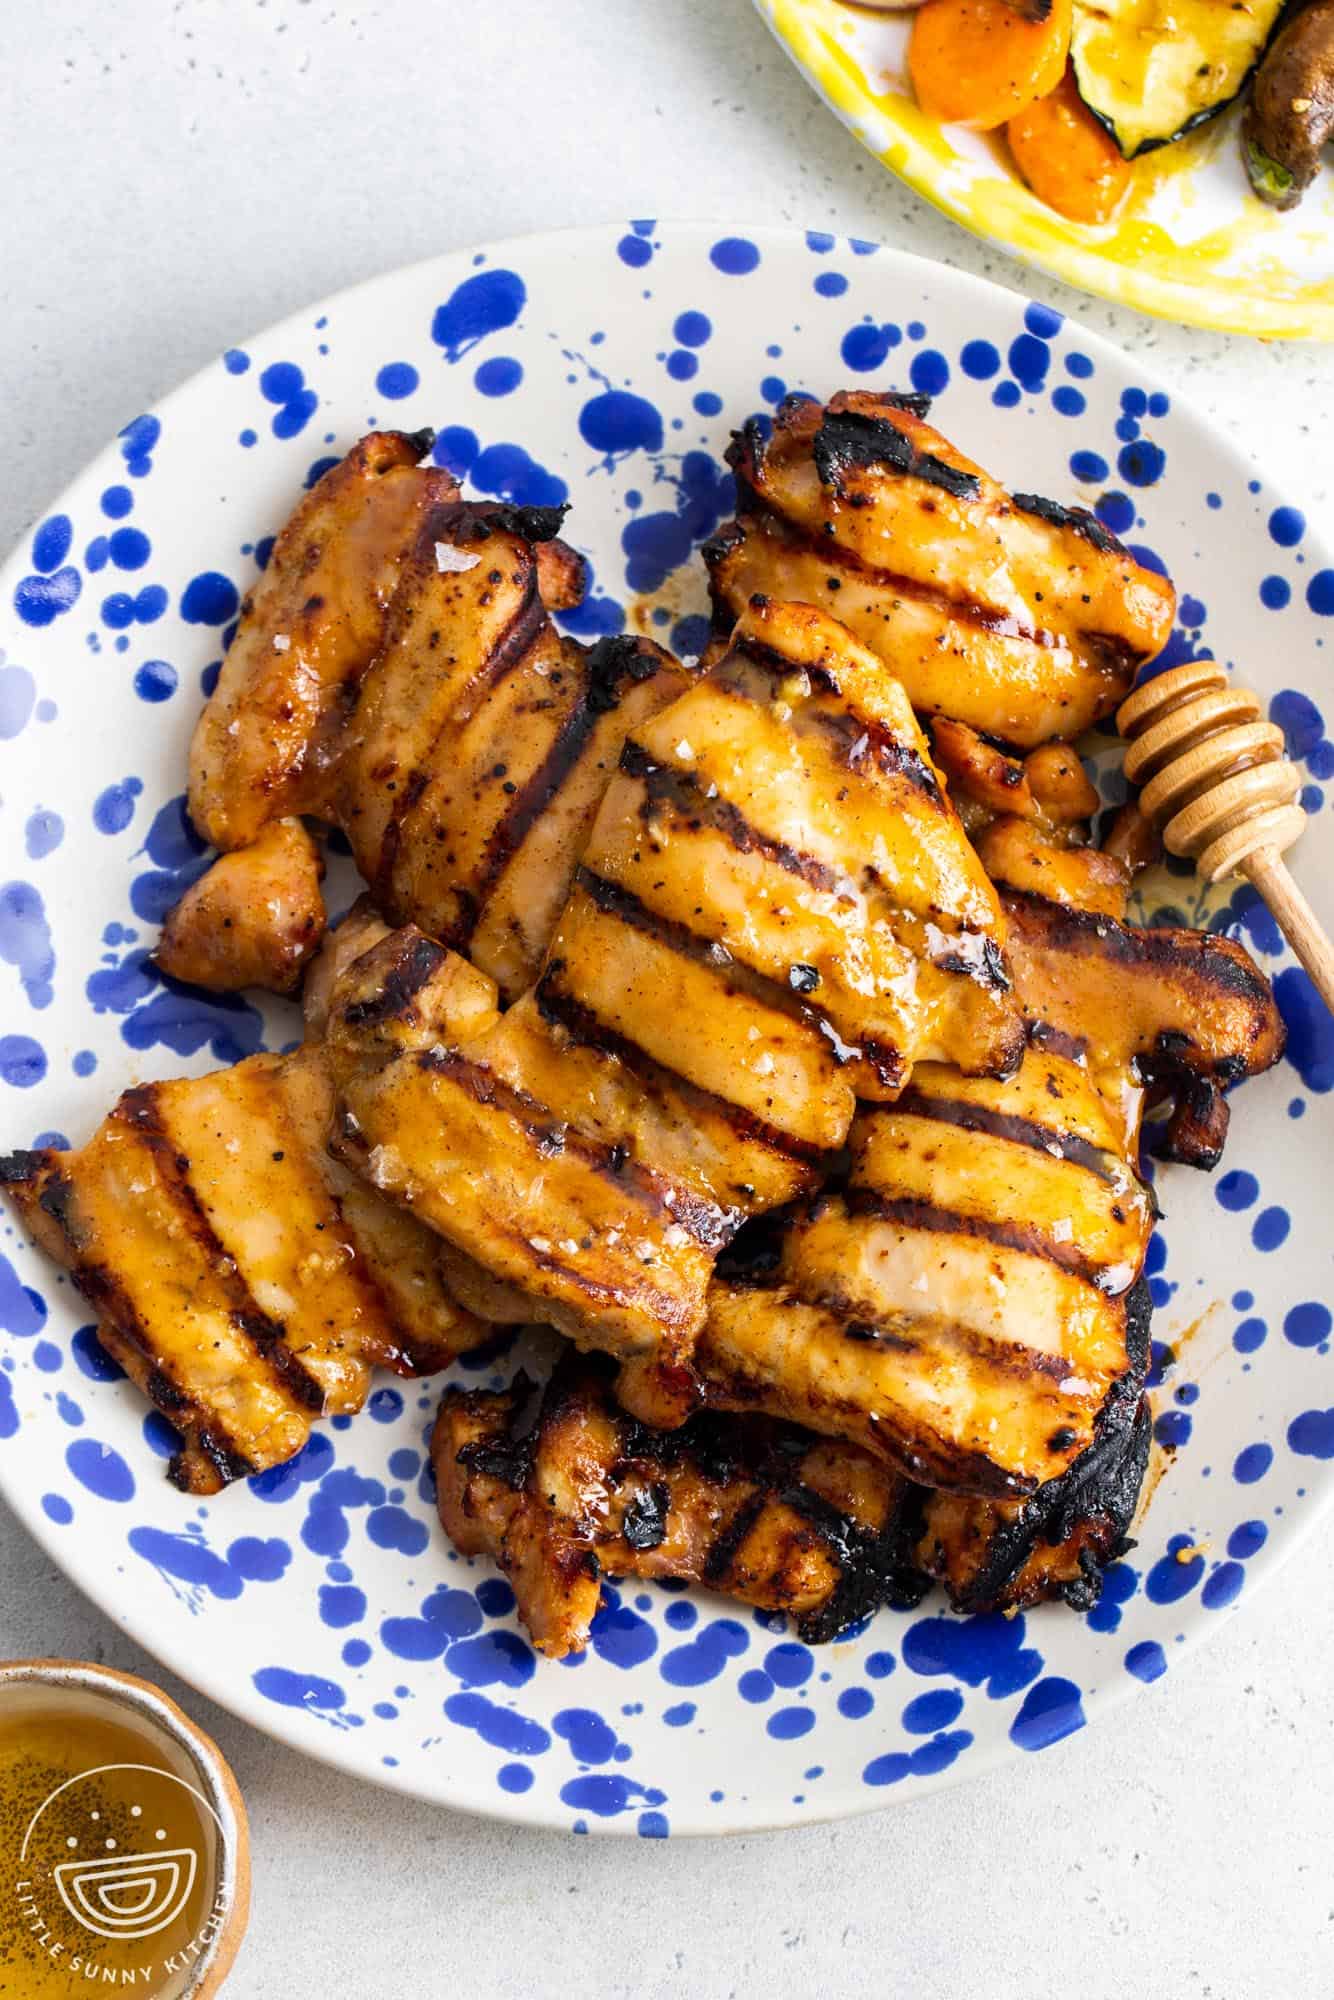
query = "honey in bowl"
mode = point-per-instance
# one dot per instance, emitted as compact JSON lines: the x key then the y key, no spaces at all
{"x":117,"y":1868}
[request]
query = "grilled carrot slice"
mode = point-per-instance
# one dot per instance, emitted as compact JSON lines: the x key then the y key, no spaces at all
{"x":1068,"y":159}
{"x":981,"y":62}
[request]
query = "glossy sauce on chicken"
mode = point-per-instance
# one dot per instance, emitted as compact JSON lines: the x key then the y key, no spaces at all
{"x":245,"y":1281}
{"x":756,"y":928}
{"x":651,"y":953}
{"x":1024,"y":618}
{"x":962,"y":1304}
{"x":309,"y":628}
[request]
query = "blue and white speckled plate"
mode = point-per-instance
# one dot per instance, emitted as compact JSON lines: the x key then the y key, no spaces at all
{"x":322,"y":1603}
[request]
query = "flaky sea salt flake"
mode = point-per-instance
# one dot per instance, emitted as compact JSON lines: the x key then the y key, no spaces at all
{"x":449,"y":559}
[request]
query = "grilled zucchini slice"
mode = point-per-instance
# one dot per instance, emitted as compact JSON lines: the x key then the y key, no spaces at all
{"x":1151,"y":70}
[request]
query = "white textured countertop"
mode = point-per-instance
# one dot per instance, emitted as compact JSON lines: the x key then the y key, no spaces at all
{"x":180,"y":174}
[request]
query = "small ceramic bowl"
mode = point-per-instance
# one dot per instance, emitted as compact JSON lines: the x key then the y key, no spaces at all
{"x":139,"y":1855}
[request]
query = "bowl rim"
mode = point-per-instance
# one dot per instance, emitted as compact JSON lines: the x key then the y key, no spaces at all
{"x":221,"y":1792}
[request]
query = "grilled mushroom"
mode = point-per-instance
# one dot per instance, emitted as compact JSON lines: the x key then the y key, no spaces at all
{"x":1290,"y":118}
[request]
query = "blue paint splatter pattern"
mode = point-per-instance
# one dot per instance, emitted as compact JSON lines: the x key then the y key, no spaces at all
{"x":357,"y":1627}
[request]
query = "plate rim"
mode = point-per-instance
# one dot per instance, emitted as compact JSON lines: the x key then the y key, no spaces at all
{"x":295,"y":1729}
{"x":1207,"y":306}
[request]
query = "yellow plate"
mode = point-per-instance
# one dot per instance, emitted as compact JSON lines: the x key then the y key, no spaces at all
{"x":1191,"y":242}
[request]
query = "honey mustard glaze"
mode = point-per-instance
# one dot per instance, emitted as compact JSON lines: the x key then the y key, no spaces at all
{"x":113,"y":1862}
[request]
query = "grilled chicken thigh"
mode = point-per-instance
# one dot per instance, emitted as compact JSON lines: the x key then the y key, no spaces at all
{"x":1185,"y":1013}
{"x":943,"y":1310}
{"x":598,"y":1197}
{"x":777,"y":856}
{"x":309,"y":629}
{"x":362,"y":927}
{"x":758,"y":1510}
{"x":1019,"y":856}
{"x":255,"y":919}
{"x":271,"y":735}
{"x":654,"y":956}
{"x":563,"y":1489}
{"x":775,"y":906}
{"x":244,"y":1280}
{"x":967,"y":1304}
{"x":1019,"y":617}
{"x":482,"y":742}
{"x":422,"y":701}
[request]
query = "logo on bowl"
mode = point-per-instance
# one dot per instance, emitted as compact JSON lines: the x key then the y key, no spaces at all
{"x":113,"y":1857}
{"x":133,"y":1897}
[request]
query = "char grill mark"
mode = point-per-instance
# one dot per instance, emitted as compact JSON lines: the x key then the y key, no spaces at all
{"x":225,"y":1465}
{"x":666,"y":786}
{"x":874,"y":1569}
{"x":1078,"y":519}
{"x":644,"y":1522}
{"x":862,"y":738}
{"x":139,"y":1109}
{"x":613,"y":661}
{"x":708,"y":1224}
{"x":1019,"y":1131}
{"x":1056,"y":1042}
{"x":404,"y":980}
{"x":627,"y":908}
{"x":520,"y":817}
{"x":609,"y":665}
{"x":765,"y":512}
{"x":405,"y":801}
{"x":511,"y":648}
{"x":986,"y":965}
{"x":860,"y":1324}
{"x":723,"y":1551}
{"x":477,"y":520}
{"x":1021,"y":1236}
{"x":583,"y":1026}
{"x":501,"y":1455}
{"x":849,"y":440}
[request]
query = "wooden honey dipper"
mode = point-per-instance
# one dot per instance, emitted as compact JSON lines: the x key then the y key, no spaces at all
{"x":1215,"y":777}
